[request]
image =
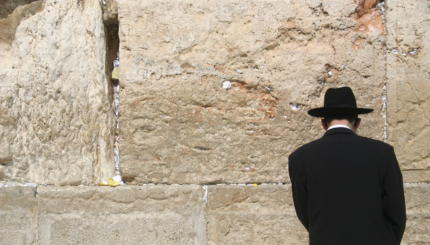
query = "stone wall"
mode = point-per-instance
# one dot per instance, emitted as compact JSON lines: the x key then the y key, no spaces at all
{"x":408,"y":76}
{"x":179,"y":125}
{"x":213,"y":97}
{"x":58,"y":125}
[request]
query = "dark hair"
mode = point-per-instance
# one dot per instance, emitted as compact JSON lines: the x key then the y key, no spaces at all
{"x":350,"y":119}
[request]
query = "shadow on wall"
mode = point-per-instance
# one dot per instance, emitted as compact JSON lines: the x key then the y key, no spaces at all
{"x":12,"y":12}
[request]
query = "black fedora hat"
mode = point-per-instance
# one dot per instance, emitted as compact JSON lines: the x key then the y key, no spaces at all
{"x":338,"y":102}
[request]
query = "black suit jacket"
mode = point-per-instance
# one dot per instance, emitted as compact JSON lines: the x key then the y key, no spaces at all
{"x":348,"y":190}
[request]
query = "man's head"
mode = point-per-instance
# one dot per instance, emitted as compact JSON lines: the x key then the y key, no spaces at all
{"x":352,"y":122}
{"x":340,"y":107}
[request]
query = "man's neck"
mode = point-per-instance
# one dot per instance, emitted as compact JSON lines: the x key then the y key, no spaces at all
{"x":338,"y":126}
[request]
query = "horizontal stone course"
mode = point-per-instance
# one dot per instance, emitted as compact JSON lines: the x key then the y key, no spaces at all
{"x":122,"y":215}
{"x":18,"y":210}
{"x":170,"y":214}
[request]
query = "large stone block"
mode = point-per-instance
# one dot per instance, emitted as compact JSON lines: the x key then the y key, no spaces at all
{"x":217,"y":91}
{"x":418,"y":214}
{"x":265,"y":215}
{"x":417,"y":231}
{"x":408,"y":74}
{"x":417,"y":199}
{"x":253,"y":215}
{"x":122,"y":215}
{"x":11,"y":14}
{"x":17,"y":214}
{"x":60,"y":127}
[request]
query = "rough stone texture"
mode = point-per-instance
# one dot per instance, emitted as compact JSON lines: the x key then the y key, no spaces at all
{"x":11,"y":14}
{"x":7,"y":127}
{"x":122,"y":215}
{"x":418,"y":214}
{"x":17,"y":214}
{"x":170,"y":214}
{"x":57,"y":99}
{"x":408,"y":74}
{"x":275,"y":58}
{"x":253,"y":215}
{"x":178,"y":123}
{"x":265,"y":215}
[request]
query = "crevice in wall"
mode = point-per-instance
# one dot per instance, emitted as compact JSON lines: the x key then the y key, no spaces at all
{"x":111,"y":23}
{"x":381,"y":7}
{"x":384,"y":107}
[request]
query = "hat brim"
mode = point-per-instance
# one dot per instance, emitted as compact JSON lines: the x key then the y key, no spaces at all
{"x":336,"y":112}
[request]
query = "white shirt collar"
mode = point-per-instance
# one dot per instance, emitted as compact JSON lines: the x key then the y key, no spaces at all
{"x":338,"y":126}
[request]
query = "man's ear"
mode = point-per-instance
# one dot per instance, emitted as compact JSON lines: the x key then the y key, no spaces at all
{"x":324,"y":123}
{"x":357,"y":123}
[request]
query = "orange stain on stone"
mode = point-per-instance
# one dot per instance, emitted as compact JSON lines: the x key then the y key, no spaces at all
{"x":369,"y":19}
{"x":366,"y":6}
{"x":266,"y":102}
{"x":358,"y":43}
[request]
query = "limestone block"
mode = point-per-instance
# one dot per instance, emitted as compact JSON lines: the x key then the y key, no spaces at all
{"x":61,"y":108}
{"x":121,"y":215}
{"x":416,"y":175}
{"x":418,"y":214}
{"x":7,"y":128}
{"x":265,"y":215}
{"x":253,"y":215}
{"x":217,"y":91}
{"x":417,"y":199}
{"x":408,"y":74}
{"x":11,"y":14}
{"x":17,"y":215}
{"x":417,"y":230}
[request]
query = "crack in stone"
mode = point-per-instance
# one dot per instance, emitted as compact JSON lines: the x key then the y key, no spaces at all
{"x":110,"y":19}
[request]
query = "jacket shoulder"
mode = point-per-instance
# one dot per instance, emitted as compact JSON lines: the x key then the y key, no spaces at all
{"x":380,"y":145}
{"x":362,"y":140}
{"x":304,"y":149}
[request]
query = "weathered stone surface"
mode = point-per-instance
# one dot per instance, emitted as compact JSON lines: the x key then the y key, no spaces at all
{"x":253,"y":215}
{"x":7,"y":127}
{"x":57,"y":100}
{"x":417,"y":199}
{"x":170,"y":214}
{"x":17,"y":215}
{"x":418,"y":214}
{"x":417,"y":230}
{"x":265,"y":215}
{"x":408,"y":74}
{"x":11,"y":14}
{"x":122,"y":215}
{"x":217,"y":91}
{"x":416,"y":176}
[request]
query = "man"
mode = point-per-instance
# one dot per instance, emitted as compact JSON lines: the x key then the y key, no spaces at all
{"x":347,"y":189}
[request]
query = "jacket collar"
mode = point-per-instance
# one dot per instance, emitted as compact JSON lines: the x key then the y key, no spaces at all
{"x":339,"y":131}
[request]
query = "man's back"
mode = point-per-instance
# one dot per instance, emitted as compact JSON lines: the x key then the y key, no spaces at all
{"x":348,"y":190}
